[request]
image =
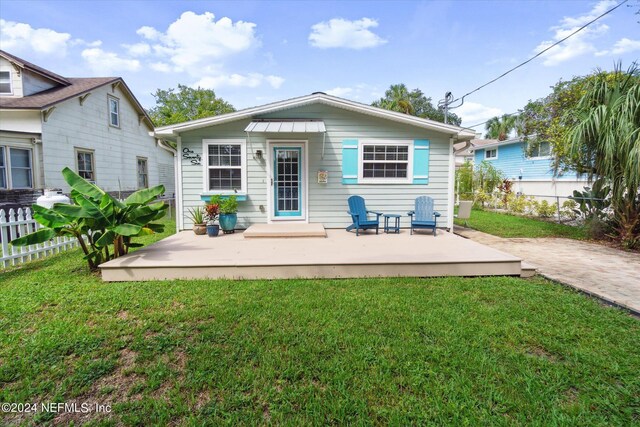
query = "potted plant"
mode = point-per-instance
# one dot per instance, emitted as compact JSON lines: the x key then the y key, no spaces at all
{"x":228,"y":214}
{"x":197,"y":217}
{"x":211,"y":214}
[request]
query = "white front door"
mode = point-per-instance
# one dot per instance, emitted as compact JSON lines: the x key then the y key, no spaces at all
{"x":287,"y":180}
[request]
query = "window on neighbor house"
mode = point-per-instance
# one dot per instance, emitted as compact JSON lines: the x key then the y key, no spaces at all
{"x":20,"y":168}
{"x":491,"y":154}
{"x":385,"y":162}
{"x":86,"y":166}
{"x":143,"y":174}
{"x":225,"y":166}
{"x":5,"y":82}
{"x":542,"y":149}
{"x":114,"y":112}
{"x":3,"y":170}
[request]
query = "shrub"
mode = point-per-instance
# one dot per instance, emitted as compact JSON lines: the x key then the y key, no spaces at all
{"x":103,"y":225}
{"x":518,"y":204}
{"x":569,"y":208}
{"x":543,"y":208}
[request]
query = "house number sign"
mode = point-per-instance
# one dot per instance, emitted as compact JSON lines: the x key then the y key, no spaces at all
{"x":191,"y":156}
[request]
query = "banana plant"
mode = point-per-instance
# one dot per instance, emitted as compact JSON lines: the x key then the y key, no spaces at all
{"x":103,"y":225}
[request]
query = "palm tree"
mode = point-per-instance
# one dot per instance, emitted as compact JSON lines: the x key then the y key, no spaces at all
{"x":500,"y":127}
{"x":396,"y":98}
{"x":606,"y":138}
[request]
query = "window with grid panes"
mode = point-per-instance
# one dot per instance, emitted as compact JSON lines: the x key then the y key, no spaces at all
{"x":385,"y":161}
{"x":225,"y":166}
{"x":143,"y":174}
{"x":85,"y":165}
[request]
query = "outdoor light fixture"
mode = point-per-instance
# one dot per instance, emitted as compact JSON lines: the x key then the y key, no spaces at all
{"x":259,"y":154}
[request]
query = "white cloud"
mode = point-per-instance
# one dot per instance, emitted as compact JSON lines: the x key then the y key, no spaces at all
{"x":340,"y":32}
{"x":251,"y":80}
{"x":473,"y":112}
{"x":16,"y":36}
{"x":161,"y":67}
{"x":620,"y":47}
{"x":339,"y":91}
{"x":137,"y":49}
{"x":107,"y":63}
{"x":196,"y":39}
{"x":579,"y":44}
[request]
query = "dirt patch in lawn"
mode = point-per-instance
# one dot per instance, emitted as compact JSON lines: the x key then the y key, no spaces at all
{"x":105,"y":391}
{"x":542,"y":353}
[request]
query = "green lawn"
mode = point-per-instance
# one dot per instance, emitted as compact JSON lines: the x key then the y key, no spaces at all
{"x":505,"y":225}
{"x":456,"y":351}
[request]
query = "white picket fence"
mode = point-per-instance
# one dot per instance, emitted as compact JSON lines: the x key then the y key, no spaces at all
{"x":19,"y":223}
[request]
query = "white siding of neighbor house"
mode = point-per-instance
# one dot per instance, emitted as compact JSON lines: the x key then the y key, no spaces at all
{"x":16,"y":80}
{"x":327,"y":202}
{"x":86,"y":126}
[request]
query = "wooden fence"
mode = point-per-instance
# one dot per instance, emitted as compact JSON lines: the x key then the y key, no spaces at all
{"x":19,"y":223}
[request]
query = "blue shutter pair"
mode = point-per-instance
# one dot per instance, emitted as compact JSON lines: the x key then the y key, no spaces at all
{"x":350,"y":158}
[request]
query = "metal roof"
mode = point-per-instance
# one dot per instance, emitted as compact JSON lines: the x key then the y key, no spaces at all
{"x":286,"y":126}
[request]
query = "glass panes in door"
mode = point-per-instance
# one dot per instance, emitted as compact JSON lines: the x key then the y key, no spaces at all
{"x":287,"y":181}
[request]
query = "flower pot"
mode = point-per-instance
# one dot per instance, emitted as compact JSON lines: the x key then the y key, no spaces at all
{"x":213,"y":230}
{"x":228,"y":222}
{"x":200,"y":229}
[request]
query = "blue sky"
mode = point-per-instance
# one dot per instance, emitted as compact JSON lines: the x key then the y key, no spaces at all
{"x":252,"y":53}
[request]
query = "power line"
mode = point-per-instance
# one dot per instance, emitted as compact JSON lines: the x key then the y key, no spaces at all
{"x":538,"y":54}
{"x":486,"y":121}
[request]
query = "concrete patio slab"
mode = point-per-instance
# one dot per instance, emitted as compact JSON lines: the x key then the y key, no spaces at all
{"x":340,"y":255}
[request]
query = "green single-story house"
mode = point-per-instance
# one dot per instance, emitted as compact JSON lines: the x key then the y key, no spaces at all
{"x":299,"y":160}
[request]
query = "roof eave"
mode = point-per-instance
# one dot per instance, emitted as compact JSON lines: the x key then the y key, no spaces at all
{"x":453,"y":131}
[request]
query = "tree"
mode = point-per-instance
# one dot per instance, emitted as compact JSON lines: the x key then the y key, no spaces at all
{"x":186,"y":104}
{"x":500,"y":127}
{"x":399,"y":98}
{"x":605,"y":142}
{"x":103,"y":225}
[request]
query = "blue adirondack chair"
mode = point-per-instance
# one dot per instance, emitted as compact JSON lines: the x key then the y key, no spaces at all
{"x":424,"y":216}
{"x":360,"y":216}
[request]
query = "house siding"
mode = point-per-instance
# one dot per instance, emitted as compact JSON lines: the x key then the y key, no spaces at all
{"x":512,"y":158}
{"x":537,"y":174}
{"x":327,"y":203}
{"x":86,"y":126}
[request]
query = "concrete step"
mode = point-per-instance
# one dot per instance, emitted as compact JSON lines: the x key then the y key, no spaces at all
{"x":528,"y":270}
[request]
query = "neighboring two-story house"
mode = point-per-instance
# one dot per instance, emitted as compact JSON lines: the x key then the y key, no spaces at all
{"x":94,"y":126}
{"x":532,"y":173}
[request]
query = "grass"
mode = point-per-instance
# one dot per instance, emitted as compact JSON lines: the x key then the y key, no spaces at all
{"x":483,"y":351}
{"x":506,"y":225}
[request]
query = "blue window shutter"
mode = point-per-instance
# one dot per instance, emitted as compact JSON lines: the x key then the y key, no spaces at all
{"x":421,"y":161}
{"x":349,"y":161}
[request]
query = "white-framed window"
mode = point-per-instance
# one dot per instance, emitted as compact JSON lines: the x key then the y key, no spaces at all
{"x":385,"y":161}
{"x":16,"y":168}
{"x":143,"y":172}
{"x":5,"y":83}
{"x":114,"y":111}
{"x":85,"y":164}
{"x":491,"y":154}
{"x":225,"y":166}
{"x":541,"y":150}
{"x":4,"y":182}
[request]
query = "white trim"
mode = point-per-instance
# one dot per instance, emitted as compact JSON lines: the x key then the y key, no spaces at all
{"x":421,"y":176}
{"x":451,"y":184}
{"x":243,"y":165}
{"x":303,"y":144}
{"x":180,"y":202}
{"x":397,"y":142}
{"x":350,"y":176}
{"x":490,"y":158}
{"x":117,"y":100}
{"x":318,"y":98}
